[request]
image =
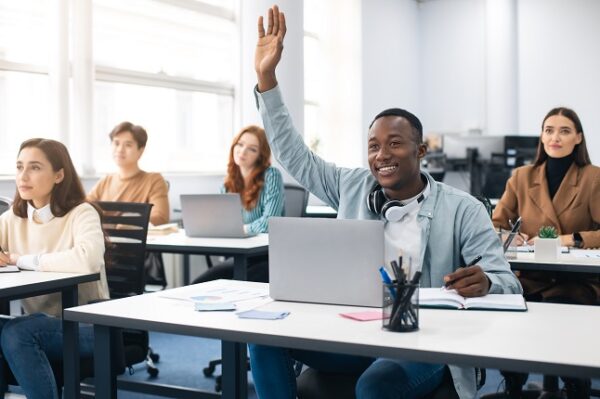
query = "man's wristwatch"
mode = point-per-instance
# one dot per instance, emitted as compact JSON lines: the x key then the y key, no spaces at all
{"x":577,"y":240}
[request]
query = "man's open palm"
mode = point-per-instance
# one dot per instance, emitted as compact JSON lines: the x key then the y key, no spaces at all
{"x":270,"y":43}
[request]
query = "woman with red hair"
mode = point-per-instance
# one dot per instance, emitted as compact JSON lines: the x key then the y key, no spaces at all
{"x":249,"y":173}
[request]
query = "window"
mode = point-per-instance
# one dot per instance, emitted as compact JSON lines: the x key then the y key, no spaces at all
{"x":24,"y":27}
{"x":332,"y":81}
{"x":168,"y":65}
{"x":187,"y":130}
{"x":170,"y":69}
{"x":24,"y":82}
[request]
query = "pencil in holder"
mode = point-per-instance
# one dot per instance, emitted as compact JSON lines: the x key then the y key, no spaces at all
{"x":400,"y":307}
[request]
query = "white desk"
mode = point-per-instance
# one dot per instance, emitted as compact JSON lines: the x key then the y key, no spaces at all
{"x":240,"y":248}
{"x":516,"y":341}
{"x":27,"y":284}
{"x":565,"y":263}
{"x":320,"y":211}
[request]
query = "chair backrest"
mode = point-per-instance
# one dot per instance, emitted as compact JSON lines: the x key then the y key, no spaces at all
{"x":486,"y":203}
{"x":296,"y":199}
{"x":126,"y":227}
{"x":5,"y":204}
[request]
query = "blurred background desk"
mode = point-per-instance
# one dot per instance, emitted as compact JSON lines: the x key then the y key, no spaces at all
{"x":320,"y":211}
{"x":239,"y":248}
{"x":571,"y":262}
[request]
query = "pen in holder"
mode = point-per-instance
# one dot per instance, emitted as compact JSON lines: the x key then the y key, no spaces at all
{"x":401,"y":306}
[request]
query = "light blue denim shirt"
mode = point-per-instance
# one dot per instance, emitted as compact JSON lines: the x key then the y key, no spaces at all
{"x":454,"y":226}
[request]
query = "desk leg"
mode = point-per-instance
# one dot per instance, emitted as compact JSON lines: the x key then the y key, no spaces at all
{"x":104,"y":380}
{"x":234,"y":370}
{"x":186,"y":269}
{"x":240,"y":267}
{"x":70,"y":347}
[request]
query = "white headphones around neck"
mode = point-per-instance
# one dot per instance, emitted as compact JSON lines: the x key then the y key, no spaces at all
{"x":392,"y":210}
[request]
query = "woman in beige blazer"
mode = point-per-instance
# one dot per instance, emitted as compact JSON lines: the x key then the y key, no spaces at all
{"x":561,"y":189}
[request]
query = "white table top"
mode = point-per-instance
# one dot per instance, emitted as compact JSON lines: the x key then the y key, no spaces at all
{"x":548,"y":338}
{"x":180,"y":240}
{"x":570,"y":262}
{"x":320,"y":210}
{"x":24,"y":283}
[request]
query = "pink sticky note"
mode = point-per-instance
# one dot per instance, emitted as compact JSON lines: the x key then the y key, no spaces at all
{"x":364,"y":316}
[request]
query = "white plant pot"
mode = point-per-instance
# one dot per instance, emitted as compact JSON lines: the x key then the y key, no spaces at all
{"x":547,"y":248}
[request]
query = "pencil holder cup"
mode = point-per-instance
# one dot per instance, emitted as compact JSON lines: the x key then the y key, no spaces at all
{"x":400,"y":307}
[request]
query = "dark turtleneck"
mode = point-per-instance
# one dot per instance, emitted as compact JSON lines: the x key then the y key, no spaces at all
{"x":556,"y":169}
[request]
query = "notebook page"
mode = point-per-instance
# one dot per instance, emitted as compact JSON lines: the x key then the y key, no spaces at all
{"x":497,"y":301}
{"x":440,"y":297}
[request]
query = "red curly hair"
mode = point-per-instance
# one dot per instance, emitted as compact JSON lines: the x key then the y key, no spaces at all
{"x":234,"y":182}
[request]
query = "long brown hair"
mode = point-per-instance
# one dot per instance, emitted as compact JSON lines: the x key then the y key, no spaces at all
{"x":580,"y":152}
{"x":65,"y":195}
{"x":234,"y":182}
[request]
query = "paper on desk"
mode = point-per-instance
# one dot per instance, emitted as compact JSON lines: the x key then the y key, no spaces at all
{"x":163,"y":229}
{"x":531,"y":248}
{"x":216,"y":293}
{"x":262,"y":314}
{"x":221,"y":297}
{"x":586,"y":253}
{"x":211,"y":307}
{"x":9,"y":269}
{"x":364,"y":316}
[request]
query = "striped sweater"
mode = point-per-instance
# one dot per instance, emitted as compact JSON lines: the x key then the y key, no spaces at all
{"x":270,"y":203}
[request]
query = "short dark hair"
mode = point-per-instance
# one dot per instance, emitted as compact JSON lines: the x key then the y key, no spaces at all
{"x":580,"y":152}
{"x":409,"y":116}
{"x":67,"y":194}
{"x":139,"y":133}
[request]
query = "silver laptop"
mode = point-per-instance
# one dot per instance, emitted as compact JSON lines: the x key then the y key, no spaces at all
{"x":330,"y":261}
{"x":213,"y":215}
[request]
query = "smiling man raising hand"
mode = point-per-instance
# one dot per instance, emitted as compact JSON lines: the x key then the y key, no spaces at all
{"x":438,"y":227}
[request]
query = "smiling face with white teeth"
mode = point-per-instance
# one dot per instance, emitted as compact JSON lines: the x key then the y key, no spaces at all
{"x":395,"y":156}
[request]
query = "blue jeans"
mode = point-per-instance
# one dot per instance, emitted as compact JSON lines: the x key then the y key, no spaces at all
{"x":30,"y":343}
{"x":274,"y":378}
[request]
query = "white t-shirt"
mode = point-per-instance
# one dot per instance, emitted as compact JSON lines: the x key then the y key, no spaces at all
{"x":404,"y":236}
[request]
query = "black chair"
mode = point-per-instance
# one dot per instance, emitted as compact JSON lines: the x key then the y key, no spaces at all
{"x":126,"y":226}
{"x":486,"y":203}
{"x":5,"y":204}
{"x":296,"y":199}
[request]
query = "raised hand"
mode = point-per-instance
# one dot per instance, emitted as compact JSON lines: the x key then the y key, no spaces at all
{"x":269,"y":48}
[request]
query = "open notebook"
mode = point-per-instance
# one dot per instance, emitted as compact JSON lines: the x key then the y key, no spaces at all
{"x":442,"y":298}
{"x":9,"y":269}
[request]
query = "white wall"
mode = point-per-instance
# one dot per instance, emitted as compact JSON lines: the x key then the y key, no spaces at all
{"x":290,"y":71}
{"x":452,"y":74}
{"x":390,"y":59}
{"x":559,"y":63}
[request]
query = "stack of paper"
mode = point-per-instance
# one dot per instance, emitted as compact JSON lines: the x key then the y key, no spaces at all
{"x":219,"y":295}
{"x":163,"y":229}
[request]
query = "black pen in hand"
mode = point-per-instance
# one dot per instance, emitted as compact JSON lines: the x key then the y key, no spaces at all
{"x":471,"y":263}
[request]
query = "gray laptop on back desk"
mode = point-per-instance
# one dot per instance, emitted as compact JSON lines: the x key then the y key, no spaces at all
{"x":212,"y":215}
{"x":330,"y":261}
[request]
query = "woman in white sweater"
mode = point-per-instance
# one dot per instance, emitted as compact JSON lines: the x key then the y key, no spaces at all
{"x":49,"y":228}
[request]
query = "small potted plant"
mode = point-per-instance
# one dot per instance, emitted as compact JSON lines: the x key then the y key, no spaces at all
{"x":547,"y":244}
